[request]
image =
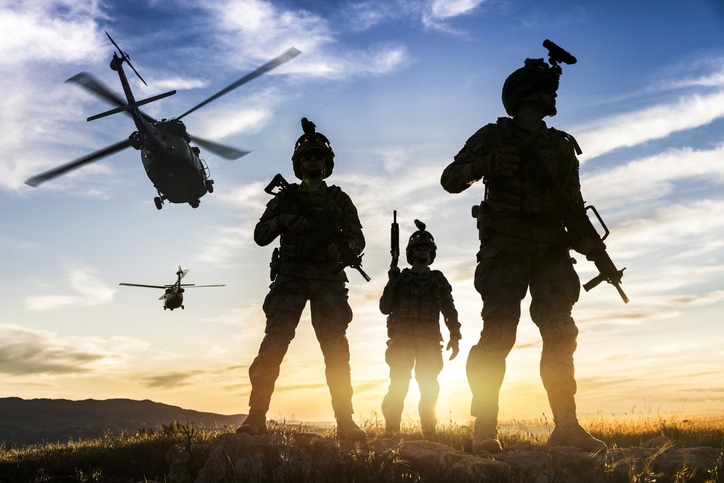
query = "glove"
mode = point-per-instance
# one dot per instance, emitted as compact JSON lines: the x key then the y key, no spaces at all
{"x":503,"y":162}
{"x":293,"y":223}
{"x":333,"y":253}
{"x":585,"y":246}
{"x":393,"y":273}
{"x":453,"y":345}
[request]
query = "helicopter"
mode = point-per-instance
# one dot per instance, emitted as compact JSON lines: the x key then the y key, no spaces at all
{"x":173,"y":297}
{"x":171,"y":162}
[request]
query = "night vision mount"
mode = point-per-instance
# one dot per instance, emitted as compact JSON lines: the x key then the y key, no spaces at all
{"x":556,"y":54}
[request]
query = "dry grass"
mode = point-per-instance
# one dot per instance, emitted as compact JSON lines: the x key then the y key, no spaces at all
{"x":140,"y":456}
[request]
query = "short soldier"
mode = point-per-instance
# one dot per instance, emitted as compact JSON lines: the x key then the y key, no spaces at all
{"x":413,"y":300}
{"x":316,"y":222}
{"x":524,"y":246}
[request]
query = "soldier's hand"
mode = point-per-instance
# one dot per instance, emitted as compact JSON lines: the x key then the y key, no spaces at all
{"x":453,"y":345}
{"x":333,"y":253}
{"x":393,"y":273}
{"x":293,"y":223}
{"x":585,"y":246}
{"x":504,"y":162}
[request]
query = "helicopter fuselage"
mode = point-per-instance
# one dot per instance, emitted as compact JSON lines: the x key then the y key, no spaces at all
{"x":171,"y":163}
{"x":174,"y":298}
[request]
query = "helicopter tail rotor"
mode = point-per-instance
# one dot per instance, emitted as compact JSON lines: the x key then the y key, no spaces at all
{"x":181,"y":273}
{"x":125,"y":58}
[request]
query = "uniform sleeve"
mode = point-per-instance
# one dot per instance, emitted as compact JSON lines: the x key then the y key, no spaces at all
{"x":267,"y":228}
{"x":468,"y":165}
{"x":388,"y":296}
{"x":352,"y":226}
{"x":447,"y":306}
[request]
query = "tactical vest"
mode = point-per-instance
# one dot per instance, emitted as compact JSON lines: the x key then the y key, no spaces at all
{"x":311,"y":245}
{"x":417,"y":298}
{"x":527,"y":192}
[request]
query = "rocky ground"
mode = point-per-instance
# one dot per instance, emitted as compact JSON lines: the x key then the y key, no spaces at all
{"x":306,"y":457}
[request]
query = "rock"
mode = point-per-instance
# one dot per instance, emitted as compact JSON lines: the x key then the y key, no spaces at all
{"x":305,"y":457}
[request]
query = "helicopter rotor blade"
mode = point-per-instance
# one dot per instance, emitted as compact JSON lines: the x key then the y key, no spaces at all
{"x":199,"y":286}
{"x":226,"y":152}
{"x":285,"y":57}
{"x":131,"y":106}
{"x":65,"y":168}
{"x":96,"y":87}
{"x":142,"y":285}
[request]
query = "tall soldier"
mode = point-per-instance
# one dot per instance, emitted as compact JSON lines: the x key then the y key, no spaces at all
{"x":524,"y":246}
{"x":306,"y":267}
{"x":413,"y":300}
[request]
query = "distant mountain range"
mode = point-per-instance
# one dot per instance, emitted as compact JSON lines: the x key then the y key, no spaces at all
{"x":28,"y":421}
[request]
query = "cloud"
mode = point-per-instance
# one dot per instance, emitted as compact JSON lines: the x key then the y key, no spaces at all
{"x":47,"y":31}
{"x":25,"y":352}
{"x":170,"y":380}
{"x":656,"y":122}
{"x":432,"y":14}
{"x":655,"y":177}
{"x":86,"y":291}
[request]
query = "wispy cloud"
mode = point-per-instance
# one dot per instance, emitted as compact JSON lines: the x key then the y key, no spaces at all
{"x":86,"y":290}
{"x":47,"y":31}
{"x":170,"y":380}
{"x":26,"y":351}
{"x":656,"y":122}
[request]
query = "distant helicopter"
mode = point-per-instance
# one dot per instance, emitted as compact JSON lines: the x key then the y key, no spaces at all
{"x":173,"y":297}
{"x":172,"y":164}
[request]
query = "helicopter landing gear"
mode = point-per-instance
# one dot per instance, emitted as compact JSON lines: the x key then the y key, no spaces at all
{"x":194,"y":204}
{"x":210,"y":185}
{"x":159,"y":202}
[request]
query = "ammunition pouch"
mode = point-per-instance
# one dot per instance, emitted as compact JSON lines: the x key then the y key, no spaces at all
{"x":481,"y":213}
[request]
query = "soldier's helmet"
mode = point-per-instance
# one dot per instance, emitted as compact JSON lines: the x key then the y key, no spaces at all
{"x":312,"y":140}
{"x":420,"y":237}
{"x":536,"y":76}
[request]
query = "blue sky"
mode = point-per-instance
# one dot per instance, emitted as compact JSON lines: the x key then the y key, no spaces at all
{"x":397,"y":86}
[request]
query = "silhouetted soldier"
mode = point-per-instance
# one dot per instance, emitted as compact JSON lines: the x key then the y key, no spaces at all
{"x":306,"y":267}
{"x":413,"y":300}
{"x":524,"y":246}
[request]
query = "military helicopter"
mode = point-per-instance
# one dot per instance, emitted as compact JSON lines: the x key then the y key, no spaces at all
{"x":173,"y":297}
{"x":172,"y":164}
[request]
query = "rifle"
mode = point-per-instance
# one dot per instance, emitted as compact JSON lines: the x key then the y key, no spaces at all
{"x":394,"y":240}
{"x":579,"y":226}
{"x":329,"y":227}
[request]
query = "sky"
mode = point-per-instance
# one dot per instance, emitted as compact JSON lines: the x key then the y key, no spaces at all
{"x":397,"y":86}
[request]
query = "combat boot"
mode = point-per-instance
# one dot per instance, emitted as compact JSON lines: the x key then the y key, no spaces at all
{"x":485,"y":438}
{"x":392,"y":427}
{"x":486,"y":443}
{"x":572,"y":434}
{"x":255,"y":423}
{"x":347,"y":429}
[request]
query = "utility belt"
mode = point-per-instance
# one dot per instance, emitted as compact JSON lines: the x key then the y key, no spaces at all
{"x":531,"y":226}
{"x":323,"y":270}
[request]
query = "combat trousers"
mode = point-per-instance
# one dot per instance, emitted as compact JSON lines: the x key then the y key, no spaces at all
{"x":424,"y":354}
{"x":330,"y":314}
{"x":507,"y":268}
